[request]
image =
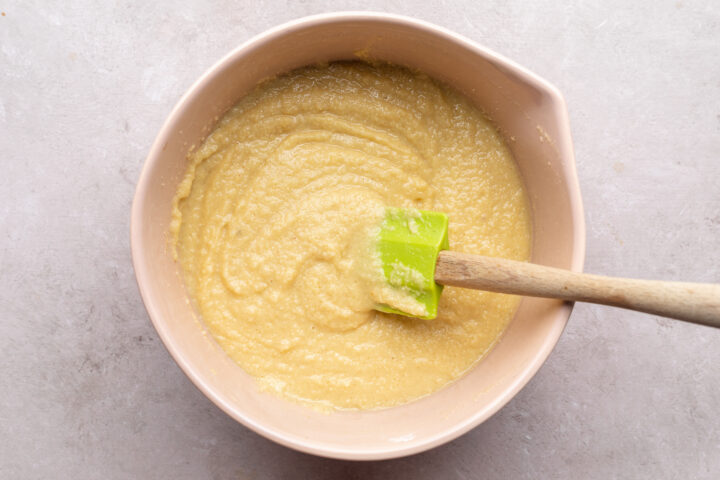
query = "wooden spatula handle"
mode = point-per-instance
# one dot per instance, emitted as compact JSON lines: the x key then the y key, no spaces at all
{"x":691,"y":302}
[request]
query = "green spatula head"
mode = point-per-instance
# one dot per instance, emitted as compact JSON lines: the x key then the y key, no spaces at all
{"x":408,"y":245}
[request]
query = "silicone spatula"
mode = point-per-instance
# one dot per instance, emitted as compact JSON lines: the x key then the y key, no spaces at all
{"x":413,"y":249}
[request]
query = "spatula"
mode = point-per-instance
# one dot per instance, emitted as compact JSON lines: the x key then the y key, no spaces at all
{"x":413,"y":249}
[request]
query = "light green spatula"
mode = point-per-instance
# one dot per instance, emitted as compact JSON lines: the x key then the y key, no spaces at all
{"x":413,"y":248}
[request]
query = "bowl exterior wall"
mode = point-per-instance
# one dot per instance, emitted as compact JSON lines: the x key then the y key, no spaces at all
{"x":532,"y":117}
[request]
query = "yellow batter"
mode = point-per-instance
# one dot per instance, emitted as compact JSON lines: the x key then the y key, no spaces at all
{"x":273,"y":221}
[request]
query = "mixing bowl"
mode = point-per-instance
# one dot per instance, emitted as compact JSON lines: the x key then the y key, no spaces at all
{"x":531,"y":115}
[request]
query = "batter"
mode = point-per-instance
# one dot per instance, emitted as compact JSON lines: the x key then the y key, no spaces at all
{"x":274,"y":221}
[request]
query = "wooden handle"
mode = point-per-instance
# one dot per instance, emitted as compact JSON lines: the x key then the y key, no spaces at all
{"x":691,"y":302}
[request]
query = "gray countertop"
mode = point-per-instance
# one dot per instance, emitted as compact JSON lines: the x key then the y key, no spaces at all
{"x":87,"y":390}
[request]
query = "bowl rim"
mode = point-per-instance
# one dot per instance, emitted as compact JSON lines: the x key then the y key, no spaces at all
{"x":308,"y":445}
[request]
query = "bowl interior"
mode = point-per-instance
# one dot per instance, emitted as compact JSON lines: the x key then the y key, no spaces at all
{"x":532,"y":117}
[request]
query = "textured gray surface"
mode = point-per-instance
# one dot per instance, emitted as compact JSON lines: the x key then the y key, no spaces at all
{"x":88,"y":391}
